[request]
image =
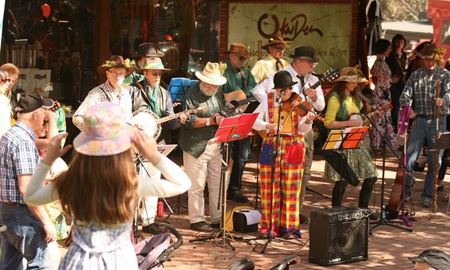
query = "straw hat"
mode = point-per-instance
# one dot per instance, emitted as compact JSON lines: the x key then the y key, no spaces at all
{"x":105,"y":131}
{"x":239,"y":49}
{"x":211,"y":74}
{"x":353,"y":71}
{"x":153,"y":63}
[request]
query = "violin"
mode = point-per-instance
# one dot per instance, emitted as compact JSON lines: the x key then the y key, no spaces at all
{"x":300,"y":106}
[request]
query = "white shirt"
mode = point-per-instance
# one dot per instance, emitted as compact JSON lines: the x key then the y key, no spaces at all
{"x":266,"y":67}
{"x":260,"y":91}
{"x":5,"y":114}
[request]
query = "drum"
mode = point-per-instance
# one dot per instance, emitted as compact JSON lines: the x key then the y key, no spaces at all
{"x":146,"y":121}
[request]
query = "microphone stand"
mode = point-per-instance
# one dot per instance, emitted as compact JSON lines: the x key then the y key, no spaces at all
{"x":383,"y":214}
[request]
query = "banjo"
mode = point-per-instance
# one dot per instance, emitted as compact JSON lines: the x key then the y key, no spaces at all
{"x":150,"y":123}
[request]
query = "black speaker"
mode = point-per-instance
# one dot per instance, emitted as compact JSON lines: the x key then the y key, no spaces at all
{"x":338,"y":235}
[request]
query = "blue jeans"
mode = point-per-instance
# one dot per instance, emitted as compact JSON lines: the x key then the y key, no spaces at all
{"x":240,"y":151}
{"x":23,"y":238}
{"x":423,"y":132}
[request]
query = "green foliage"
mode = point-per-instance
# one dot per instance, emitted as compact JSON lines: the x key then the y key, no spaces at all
{"x":404,"y":10}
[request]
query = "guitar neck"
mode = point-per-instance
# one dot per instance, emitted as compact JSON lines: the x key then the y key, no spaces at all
{"x":171,"y":117}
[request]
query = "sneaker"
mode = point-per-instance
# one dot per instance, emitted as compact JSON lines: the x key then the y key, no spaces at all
{"x":237,"y":197}
{"x":201,"y":227}
{"x":426,"y":202}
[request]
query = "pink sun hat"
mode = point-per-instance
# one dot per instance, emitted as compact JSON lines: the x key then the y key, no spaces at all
{"x":105,"y":131}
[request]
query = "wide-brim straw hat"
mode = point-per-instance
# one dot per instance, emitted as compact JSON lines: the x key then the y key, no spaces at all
{"x":239,"y":49}
{"x":211,"y":74}
{"x":105,"y":131}
{"x":153,"y":63}
{"x":353,"y":71}
{"x":117,"y":61}
{"x":274,"y":40}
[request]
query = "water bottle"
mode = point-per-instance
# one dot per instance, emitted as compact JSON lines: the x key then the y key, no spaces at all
{"x":160,"y":209}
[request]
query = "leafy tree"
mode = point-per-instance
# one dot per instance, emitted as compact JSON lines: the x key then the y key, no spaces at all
{"x":404,"y":10}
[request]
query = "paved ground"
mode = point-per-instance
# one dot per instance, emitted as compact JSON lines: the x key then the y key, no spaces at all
{"x":389,"y":247}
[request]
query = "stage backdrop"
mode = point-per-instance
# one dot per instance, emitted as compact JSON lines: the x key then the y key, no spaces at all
{"x":325,"y":26}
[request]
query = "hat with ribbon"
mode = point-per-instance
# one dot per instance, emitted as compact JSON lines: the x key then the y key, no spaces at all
{"x":282,"y":80}
{"x":117,"y":61}
{"x":28,"y":102}
{"x":347,"y":74}
{"x":211,"y":74}
{"x":435,"y":258}
{"x":105,"y":131}
{"x":274,"y":40}
{"x":239,"y":49}
{"x":353,"y":71}
{"x":153,"y":63}
{"x":305,"y":52}
{"x":148,"y":49}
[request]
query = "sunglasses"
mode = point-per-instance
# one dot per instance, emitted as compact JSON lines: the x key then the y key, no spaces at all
{"x":117,"y":74}
{"x":7,"y":80}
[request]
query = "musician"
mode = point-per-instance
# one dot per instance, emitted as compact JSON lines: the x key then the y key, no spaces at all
{"x":421,"y":89}
{"x":148,"y":94}
{"x":286,"y":202}
{"x":303,"y":62}
{"x":239,"y":78}
{"x":113,"y":90}
{"x":342,"y":103}
{"x":203,"y":160}
{"x":144,"y":51}
{"x":273,"y":62}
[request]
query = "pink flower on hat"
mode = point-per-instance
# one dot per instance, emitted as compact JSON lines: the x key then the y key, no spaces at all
{"x":105,"y":131}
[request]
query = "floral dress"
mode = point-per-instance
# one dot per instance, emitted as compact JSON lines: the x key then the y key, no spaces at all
{"x":382,"y":96}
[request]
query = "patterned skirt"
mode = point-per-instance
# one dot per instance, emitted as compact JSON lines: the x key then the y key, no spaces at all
{"x":287,"y":184}
{"x":100,"y":248}
{"x":359,"y":160}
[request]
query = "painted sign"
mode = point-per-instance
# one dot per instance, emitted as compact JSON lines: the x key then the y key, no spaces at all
{"x":326,"y":27}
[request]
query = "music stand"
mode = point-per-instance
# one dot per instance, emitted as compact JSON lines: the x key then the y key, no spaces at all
{"x":230,"y":129}
{"x":442,"y":143}
{"x":340,"y":140}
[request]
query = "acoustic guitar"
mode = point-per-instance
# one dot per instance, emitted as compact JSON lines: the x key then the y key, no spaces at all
{"x":237,"y":100}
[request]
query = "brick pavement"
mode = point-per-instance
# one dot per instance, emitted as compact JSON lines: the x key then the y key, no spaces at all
{"x":389,"y":247}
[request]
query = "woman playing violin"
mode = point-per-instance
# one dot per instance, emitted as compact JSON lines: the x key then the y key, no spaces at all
{"x":276,"y":115}
{"x":343,"y":102}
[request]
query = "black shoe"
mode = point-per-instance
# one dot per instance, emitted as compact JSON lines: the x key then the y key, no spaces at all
{"x":215,"y":226}
{"x":201,"y":227}
{"x":153,"y":229}
{"x":237,"y":197}
{"x":304,"y":219}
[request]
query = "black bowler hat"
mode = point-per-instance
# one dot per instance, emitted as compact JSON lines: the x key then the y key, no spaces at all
{"x":148,"y":50}
{"x":282,"y":80}
{"x":305,"y":52}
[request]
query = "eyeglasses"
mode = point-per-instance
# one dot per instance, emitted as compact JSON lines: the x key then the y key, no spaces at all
{"x":279,"y":48}
{"x":6,"y":80}
{"x":115,"y":74}
{"x":153,"y":73}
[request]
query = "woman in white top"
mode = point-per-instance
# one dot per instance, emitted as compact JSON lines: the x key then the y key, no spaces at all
{"x":101,"y":188}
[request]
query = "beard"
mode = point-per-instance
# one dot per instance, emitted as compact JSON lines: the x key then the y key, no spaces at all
{"x":208,"y":92}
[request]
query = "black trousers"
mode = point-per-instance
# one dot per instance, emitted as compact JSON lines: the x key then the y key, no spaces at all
{"x":364,"y":194}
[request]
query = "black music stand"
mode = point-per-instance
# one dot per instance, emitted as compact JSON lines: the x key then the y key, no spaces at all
{"x":230,"y":129}
{"x":442,"y":143}
{"x":340,"y":140}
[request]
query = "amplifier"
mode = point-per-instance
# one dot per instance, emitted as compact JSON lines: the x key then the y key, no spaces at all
{"x":338,"y":235}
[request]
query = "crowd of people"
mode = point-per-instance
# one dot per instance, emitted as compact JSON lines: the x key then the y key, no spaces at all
{"x":290,"y":99}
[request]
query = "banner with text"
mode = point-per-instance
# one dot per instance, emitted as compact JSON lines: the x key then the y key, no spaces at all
{"x":326,"y":27}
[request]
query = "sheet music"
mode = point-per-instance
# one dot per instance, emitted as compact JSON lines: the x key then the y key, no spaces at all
{"x":348,"y":138}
